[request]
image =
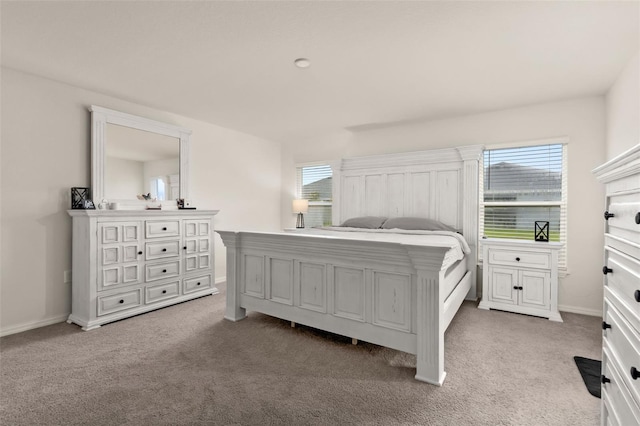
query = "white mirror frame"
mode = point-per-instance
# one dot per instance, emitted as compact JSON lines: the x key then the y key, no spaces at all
{"x":100,"y":117}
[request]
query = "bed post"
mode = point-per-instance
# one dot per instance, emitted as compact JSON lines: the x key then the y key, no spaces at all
{"x":430,"y":324}
{"x":231,"y":240}
{"x":471,"y":157}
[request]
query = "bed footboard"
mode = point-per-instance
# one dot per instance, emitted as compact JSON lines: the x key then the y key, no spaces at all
{"x":389,"y":294}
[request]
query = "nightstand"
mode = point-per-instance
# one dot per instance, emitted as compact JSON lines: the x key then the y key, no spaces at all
{"x":521,"y":276}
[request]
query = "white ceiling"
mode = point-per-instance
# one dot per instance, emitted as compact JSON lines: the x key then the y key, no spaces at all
{"x":372,"y":63}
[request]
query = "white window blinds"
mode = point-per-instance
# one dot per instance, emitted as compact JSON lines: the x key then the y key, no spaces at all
{"x":521,"y":186}
{"x":314,"y":184}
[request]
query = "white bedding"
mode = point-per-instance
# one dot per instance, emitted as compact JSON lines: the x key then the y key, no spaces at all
{"x":455,"y":242}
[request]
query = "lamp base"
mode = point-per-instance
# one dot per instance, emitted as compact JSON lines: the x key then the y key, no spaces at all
{"x":300,"y":221}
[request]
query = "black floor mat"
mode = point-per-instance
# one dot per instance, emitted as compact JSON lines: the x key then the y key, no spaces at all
{"x":590,"y":370}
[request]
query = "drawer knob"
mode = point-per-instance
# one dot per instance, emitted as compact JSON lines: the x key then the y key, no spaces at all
{"x":606,"y":270}
{"x":164,"y":229}
{"x":638,"y":218}
{"x":198,"y":283}
{"x":636,"y":295}
{"x":605,"y":325}
{"x":634,"y":373}
{"x":517,"y":287}
{"x":517,"y":259}
{"x":184,"y":248}
{"x":164,"y":270}
{"x":604,"y":379}
{"x":607,"y":215}
{"x":164,"y":249}
{"x":164,"y":291}
{"x":121,"y":301}
{"x":139,"y":252}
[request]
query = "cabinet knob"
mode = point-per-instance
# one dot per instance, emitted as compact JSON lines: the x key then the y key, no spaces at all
{"x":638,"y":218}
{"x":164,"y":249}
{"x":164,"y":229}
{"x":604,"y":379}
{"x":164,"y":291}
{"x":121,"y":301}
{"x":606,"y":270}
{"x":605,"y":325}
{"x":517,"y":259}
{"x":636,"y":295}
{"x":140,"y":252}
{"x":607,"y":215}
{"x":184,"y":248}
{"x":634,"y":373}
{"x":517,"y":287}
{"x":198,"y":283}
{"x":164,"y":270}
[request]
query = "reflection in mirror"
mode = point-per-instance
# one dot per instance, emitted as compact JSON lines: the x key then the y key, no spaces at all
{"x":140,"y":162}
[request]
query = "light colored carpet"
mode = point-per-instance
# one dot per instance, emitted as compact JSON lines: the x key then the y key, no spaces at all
{"x":185,"y":365}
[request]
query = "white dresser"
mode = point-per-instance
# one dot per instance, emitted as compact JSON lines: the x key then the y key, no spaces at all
{"x":520,"y":276}
{"x":621,"y":308}
{"x":126,"y":262}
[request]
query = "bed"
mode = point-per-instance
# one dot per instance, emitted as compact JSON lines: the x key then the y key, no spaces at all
{"x":398,"y":288}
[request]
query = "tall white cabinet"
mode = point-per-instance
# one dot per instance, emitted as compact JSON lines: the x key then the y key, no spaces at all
{"x":621,"y":308}
{"x":126,"y":262}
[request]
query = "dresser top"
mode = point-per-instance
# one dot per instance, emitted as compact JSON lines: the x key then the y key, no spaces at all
{"x":521,"y":243}
{"x":135,"y":213}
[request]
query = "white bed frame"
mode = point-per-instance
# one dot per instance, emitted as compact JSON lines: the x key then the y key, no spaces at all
{"x":390,"y":294}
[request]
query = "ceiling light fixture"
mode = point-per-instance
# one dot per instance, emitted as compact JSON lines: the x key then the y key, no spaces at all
{"x":302,"y":63}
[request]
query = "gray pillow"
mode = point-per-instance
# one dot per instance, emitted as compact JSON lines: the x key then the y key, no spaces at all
{"x":369,"y":222}
{"x":416,"y":223}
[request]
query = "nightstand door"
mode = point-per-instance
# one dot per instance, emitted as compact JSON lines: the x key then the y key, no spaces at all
{"x":503,"y":281}
{"x":536,"y":289}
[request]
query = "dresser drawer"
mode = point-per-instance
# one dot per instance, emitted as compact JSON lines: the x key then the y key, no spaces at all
{"x":624,"y":344}
{"x":162,"y":249}
{"x":196,"y":284}
{"x":625,"y":207}
{"x":162,"y":292}
{"x":162,"y":228}
{"x":159,"y":271}
{"x":119,"y":302}
{"x":620,"y":407}
{"x":624,"y":282}
{"x":519,"y":258}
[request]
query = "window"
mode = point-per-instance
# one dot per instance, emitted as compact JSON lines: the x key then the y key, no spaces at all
{"x":314,"y":184}
{"x":521,"y":186}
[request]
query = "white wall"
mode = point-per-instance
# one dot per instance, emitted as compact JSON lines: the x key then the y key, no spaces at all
{"x":582,"y":120}
{"x":623,"y":110}
{"x":46,"y":150}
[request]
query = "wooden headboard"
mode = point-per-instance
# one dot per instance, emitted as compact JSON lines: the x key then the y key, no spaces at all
{"x":439,"y":184}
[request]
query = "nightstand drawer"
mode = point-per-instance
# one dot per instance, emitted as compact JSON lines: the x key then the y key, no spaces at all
{"x":119,"y":302}
{"x":524,"y":259}
{"x":162,"y":228}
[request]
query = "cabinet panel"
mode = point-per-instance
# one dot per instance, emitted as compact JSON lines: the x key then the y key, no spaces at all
{"x":348,"y":292}
{"x":162,"y":228}
{"x":392,"y":300}
{"x":196,"y":284}
{"x":253,"y":275}
{"x":162,"y":292}
{"x":119,"y":302}
{"x":161,"y":271}
{"x":312,"y":283}
{"x":502,"y":283}
{"x":162,"y":249}
{"x":281,"y":280}
{"x":535,"y":289}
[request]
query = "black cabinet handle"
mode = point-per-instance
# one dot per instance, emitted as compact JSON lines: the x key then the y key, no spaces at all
{"x":636,"y":295}
{"x":164,"y":270}
{"x":139,"y":252}
{"x":121,"y":301}
{"x":638,"y":218}
{"x":634,"y":373}
{"x":164,"y":291}
{"x":198,"y":283}
{"x":605,"y":325}
{"x":607,"y":215}
{"x":517,"y":259}
{"x":517,"y":287}
{"x":164,"y":229}
{"x":164,"y":249}
{"x":184,"y":248}
{"x":606,"y":270}
{"x":604,"y":379}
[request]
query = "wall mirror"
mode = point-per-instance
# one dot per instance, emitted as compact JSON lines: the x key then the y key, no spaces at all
{"x":134,"y":155}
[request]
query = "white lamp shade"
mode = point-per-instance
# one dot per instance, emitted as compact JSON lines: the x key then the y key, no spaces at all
{"x":300,"y":206}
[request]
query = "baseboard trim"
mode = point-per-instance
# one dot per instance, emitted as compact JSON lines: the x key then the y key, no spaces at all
{"x":220,"y":280}
{"x":31,"y":325}
{"x":579,"y":310}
